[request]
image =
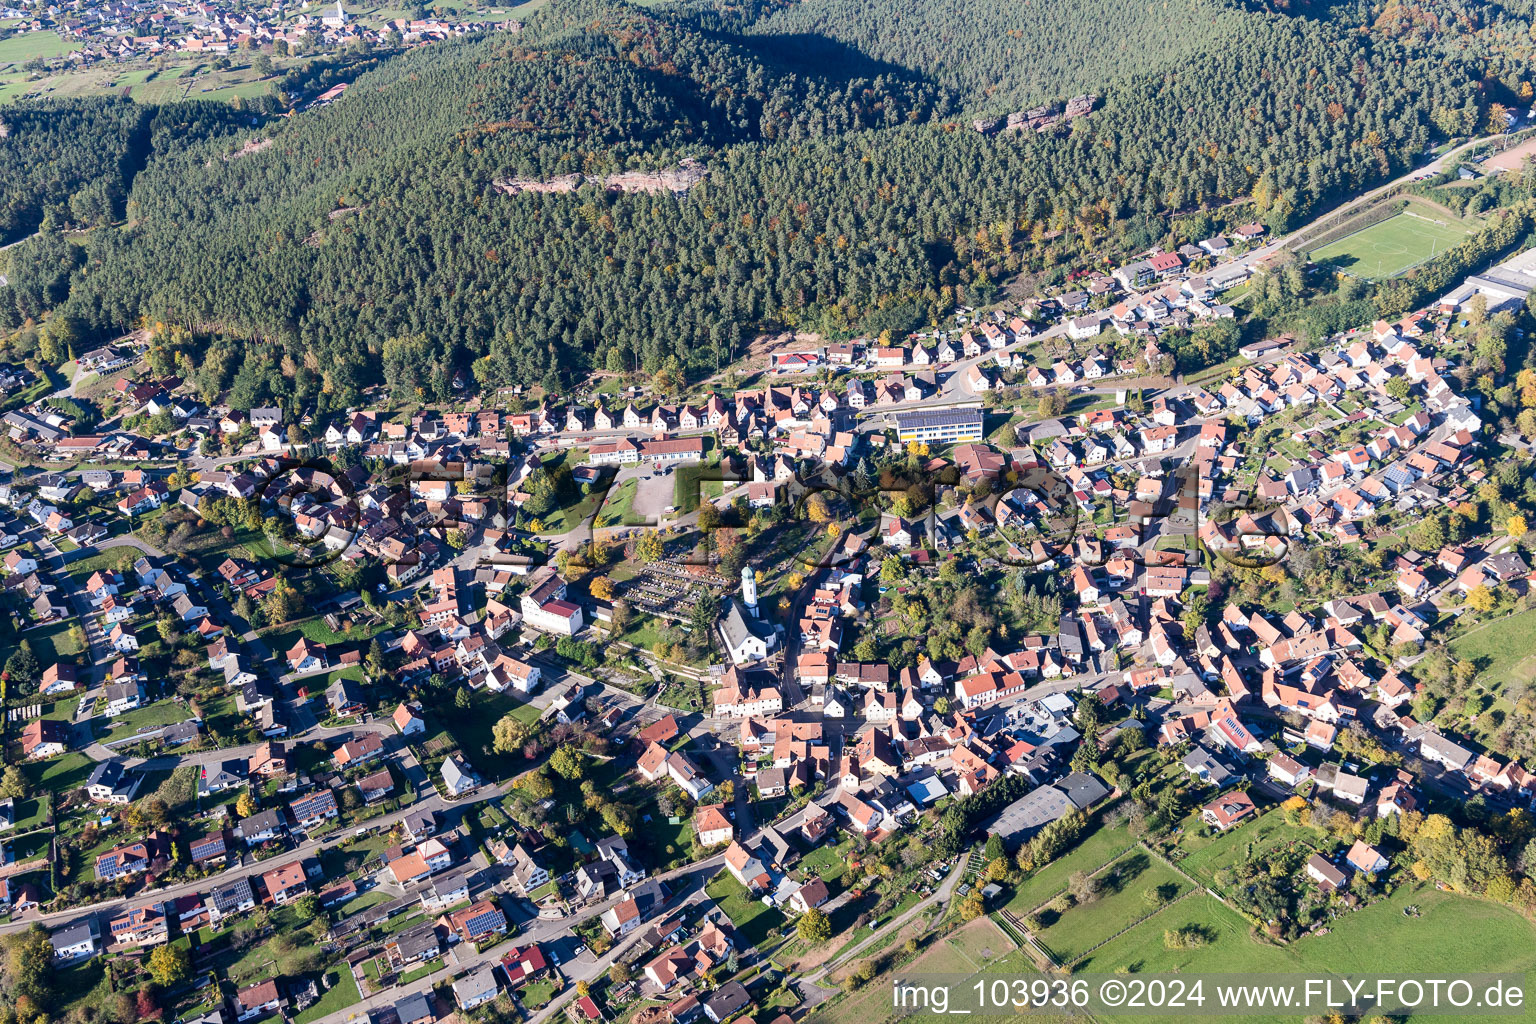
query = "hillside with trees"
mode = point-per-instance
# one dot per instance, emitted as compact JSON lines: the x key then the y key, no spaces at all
{"x":1000,"y":57}
{"x":375,"y":239}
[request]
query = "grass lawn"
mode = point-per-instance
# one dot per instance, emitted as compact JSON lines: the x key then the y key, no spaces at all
{"x":221,"y":715}
{"x":619,"y":507}
{"x":528,"y":714}
{"x":30,"y":814}
{"x":86,"y":985}
{"x":245,"y":90}
{"x":1002,"y":433}
{"x":363,"y":628}
{"x":1248,"y":843}
{"x":1390,"y":247}
{"x":843,"y":919}
{"x":1220,"y":370}
{"x":752,"y":920}
{"x":157,"y":715}
{"x":416,"y":973}
{"x":253,"y":964}
{"x":642,"y":630}
{"x":1099,"y":848}
{"x":342,"y":994}
{"x":400,"y":922}
{"x":491,"y":817}
{"x":141,"y":82}
{"x":567,"y":518}
{"x":536,"y":994}
{"x":62,"y":710}
{"x":67,"y":771}
{"x":352,"y":672}
{"x":81,"y":569}
{"x":663,"y":842}
{"x":366,"y":901}
{"x":683,"y":695}
{"x":210,"y":548}
{"x":316,"y":631}
{"x":1085,"y":926}
{"x":49,"y":643}
{"x":829,"y":863}
{"x":473,"y":730}
{"x":349,"y":857}
{"x":1501,"y":650}
{"x":28,"y":847}
{"x":688,"y":484}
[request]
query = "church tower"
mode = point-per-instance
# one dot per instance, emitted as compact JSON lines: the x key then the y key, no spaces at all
{"x":749,"y":590}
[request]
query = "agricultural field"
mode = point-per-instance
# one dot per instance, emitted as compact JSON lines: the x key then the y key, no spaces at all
{"x":959,"y":955}
{"x":1392,"y":246}
{"x":26,"y":45}
{"x":1127,"y":883}
{"x":140,"y":80}
{"x":1099,"y":848}
{"x":1500,"y":650}
{"x":1441,"y":932}
{"x":1417,"y":931}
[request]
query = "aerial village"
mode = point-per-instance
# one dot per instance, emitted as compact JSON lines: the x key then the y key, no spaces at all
{"x":652,"y":704}
{"x":117,"y":31}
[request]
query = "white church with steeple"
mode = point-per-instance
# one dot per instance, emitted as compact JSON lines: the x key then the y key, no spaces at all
{"x":336,"y":20}
{"x":746,"y":636}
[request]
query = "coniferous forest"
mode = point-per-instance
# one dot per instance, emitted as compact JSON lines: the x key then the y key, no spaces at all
{"x":374,"y":239}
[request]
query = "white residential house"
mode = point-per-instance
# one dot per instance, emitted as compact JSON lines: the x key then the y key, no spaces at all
{"x":20,"y":564}
{"x":123,"y":697}
{"x":458,"y":777}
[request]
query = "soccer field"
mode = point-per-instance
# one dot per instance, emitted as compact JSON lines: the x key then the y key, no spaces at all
{"x":1390,"y":247}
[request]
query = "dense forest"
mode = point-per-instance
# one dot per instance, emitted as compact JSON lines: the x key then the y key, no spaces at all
{"x":76,"y":159}
{"x":368,"y":240}
{"x":998,"y":56}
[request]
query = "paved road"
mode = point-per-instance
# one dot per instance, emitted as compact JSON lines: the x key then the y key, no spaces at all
{"x":955,"y":387}
{"x":687,"y":886}
{"x":691,"y":878}
{"x":101,"y":654}
{"x":939,"y":895}
{"x":303,"y":849}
